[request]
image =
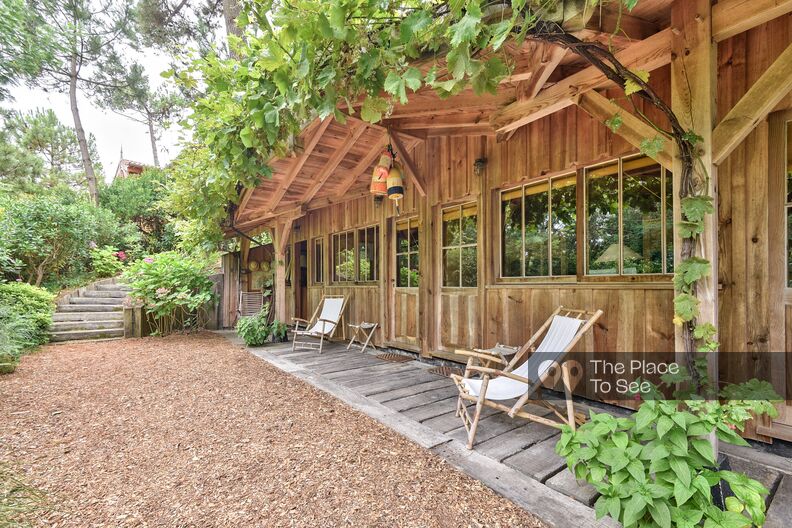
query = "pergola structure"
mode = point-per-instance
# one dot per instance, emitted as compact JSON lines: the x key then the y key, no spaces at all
{"x":679,"y":42}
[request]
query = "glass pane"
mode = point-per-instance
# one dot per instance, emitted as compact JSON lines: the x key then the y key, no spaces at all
{"x":602,"y":219}
{"x":345,"y":258}
{"x":451,"y":235}
{"x":669,"y":223}
{"x":564,"y":203}
{"x":536,"y":216}
{"x":511,"y":233}
{"x":401,"y":238}
{"x":789,"y":162}
{"x":413,"y":236}
{"x":469,"y":224}
{"x":318,"y":260}
{"x":414,"y":276}
{"x":642,"y":224}
{"x":469,"y":267}
{"x":402,"y":272}
{"x":451,"y":267}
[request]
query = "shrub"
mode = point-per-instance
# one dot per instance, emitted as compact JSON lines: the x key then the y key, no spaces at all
{"x":278,"y":331}
{"x":171,"y":287}
{"x":107,"y":261}
{"x":31,"y":303}
{"x":255,"y":330}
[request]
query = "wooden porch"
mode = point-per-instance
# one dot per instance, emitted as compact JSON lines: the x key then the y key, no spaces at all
{"x":514,"y":457}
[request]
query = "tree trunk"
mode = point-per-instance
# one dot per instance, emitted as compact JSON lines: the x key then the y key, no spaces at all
{"x":90,"y":176}
{"x":153,"y":140}
{"x":231,"y":9}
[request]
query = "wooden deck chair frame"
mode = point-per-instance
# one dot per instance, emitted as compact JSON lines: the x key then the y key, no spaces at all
{"x":250,"y":303}
{"x":481,"y":362}
{"x":298,"y":333}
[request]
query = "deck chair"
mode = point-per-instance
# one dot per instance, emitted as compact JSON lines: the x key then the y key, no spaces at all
{"x":250,"y":303}
{"x":320,"y":327}
{"x":501,"y":380}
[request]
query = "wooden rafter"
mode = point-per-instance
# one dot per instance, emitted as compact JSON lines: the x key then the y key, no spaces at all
{"x":648,"y":54}
{"x":412,"y":171}
{"x":732,"y":17}
{"x":551,"y":56}
{"x":768,"y":90}
{"x":362,"y":165}
{"x":632,"y":128}
{"x":354,"y":133}
{"x":283,"y":230}
{"x":617,"y":24}
{"x":298,"y":165}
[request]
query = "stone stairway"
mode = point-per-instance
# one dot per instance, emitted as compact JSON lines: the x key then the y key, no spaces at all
{"x":92,"y":312}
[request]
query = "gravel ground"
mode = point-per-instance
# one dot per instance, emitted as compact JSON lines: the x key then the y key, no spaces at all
{"x":193,"y":431}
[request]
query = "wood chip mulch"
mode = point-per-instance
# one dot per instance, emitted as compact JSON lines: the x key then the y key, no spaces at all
{"x":193,"y":431}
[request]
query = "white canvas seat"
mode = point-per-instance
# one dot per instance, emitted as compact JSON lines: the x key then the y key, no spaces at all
{"x":322,"y":324}
{"x":519,"y":378}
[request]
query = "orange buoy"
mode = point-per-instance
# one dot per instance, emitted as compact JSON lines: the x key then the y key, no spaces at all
{"x":379,"y":185}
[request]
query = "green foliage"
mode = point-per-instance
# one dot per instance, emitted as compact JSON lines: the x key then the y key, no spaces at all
{"x":656,"y":468}
{"x":19,"y":502}
{"x":106,"y":261}
{"x":171,"y":287}
{"x":21,"y":53}
{"x":49,"y":235}
{"x":278,"y":331}
{"x":631,"y":87}
{"x":614,"y":123}
{"x":138,"y":200}
{"x":652,"y":146}
{"x":25,"y":317}
{"x":255,"y":330}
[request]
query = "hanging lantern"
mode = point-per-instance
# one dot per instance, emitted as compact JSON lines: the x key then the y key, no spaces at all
{"x":395,"y":183}
{"x":379,"y":185}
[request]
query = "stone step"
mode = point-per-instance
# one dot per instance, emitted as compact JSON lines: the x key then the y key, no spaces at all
{"x":113,"y":287}
{"x":104,"y":294}
{"x":64,"y":308}
{"x":115,"y":301}
{"x":71,"y":335}
{"x":61,"y":326}
{"x":87,"y":316}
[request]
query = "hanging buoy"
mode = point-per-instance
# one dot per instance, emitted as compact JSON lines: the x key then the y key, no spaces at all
{"x":395,"y":183}
{"x":379,"y":177}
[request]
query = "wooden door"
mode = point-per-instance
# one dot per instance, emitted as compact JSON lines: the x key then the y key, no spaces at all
{"x":300,"y":281}
{"x":404,"y":264}
{"x":779,"y":222}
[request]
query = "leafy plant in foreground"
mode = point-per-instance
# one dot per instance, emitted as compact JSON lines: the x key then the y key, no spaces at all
{"x":656,"y":468}
{"x":255,"y":330}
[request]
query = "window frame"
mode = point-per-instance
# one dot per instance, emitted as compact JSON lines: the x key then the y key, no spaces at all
{"x":376,"y":271}
{"x":665,"y":174}
{"x":334,"y":238}
{"x":396,"y":254}
{"x":318,"y":242}
{"x":460,"y":206}
{"x":530,"y":183}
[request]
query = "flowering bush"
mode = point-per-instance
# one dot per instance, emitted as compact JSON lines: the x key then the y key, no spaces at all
{"x":171,"y":287}
{"x":107,"y":261}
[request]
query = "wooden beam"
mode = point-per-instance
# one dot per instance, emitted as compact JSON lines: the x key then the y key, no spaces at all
{"x":732,"y":17}
{"x":768,"y":90}
{"x":361,"y":167}
{"x":244,"y":251}
{"x":353,"y":134}
{"x":298,"y":165}
{"x":693,"y":89}
{"x":648,"y":54}
{"x":633,"y":129}
{"x":612,"y":22}
{"x":551,"y":56}
{"x":284,"y":230}
{"x":412,"y":170}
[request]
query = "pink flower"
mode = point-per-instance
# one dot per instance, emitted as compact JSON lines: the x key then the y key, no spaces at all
{"x":19,"y":279}
{"x":148,"y":260}
{"x":162,"y":291}
{"x":121,"y":255}
{"x":637,"y":397}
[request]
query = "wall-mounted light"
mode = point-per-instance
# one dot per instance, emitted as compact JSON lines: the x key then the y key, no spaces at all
{"x":479,"y":166}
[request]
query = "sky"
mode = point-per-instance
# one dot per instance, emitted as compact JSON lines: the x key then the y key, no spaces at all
{"x":113,"y":132}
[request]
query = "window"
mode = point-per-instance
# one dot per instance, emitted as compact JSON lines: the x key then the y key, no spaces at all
{"x":629,"y":218}
{"x":368,"y":254}
{"x":407,"y":253}
{"x":460,"y":252}
{"x":344,"y":256}
{"x":788,"y":202}
{"x":538,"y":229}
{"x":318,"y":261}
{"x":356,"y":255}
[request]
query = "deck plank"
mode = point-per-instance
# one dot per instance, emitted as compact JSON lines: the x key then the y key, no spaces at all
{"x":410,"y":390}
{"x":450,"y":421}
{"x":402,"y":404}
{"x":516,"y":440}
{"x":430,"y":410}
{"x":489,"y":427}
{"x":539,"y":461}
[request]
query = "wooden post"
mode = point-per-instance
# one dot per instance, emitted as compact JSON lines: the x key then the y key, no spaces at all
{"x":280,"y":241}
{"x":693,"y":89}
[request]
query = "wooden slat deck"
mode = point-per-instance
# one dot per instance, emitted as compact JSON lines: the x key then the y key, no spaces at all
{"x":527,"y":448}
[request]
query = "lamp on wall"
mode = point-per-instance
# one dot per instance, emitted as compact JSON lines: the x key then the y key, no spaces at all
{"x":479,"y":166}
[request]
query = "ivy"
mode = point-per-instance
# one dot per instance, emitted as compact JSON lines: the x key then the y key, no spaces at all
{"x":614,"y":123}
{"x":652,"y":146}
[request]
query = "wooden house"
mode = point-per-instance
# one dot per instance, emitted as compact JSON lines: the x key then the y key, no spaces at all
{"x":524,"y":200}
